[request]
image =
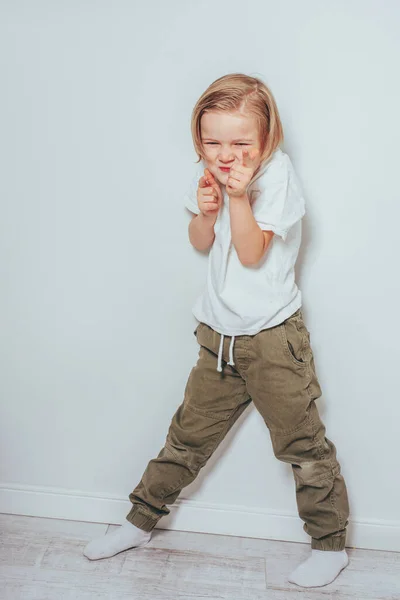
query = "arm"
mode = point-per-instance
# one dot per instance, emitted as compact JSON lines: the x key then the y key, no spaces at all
{"x":201,"y":231}
{"x":249,"y":240}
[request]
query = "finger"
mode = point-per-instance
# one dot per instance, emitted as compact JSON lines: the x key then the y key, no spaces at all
{"x":209,"y":176}
{"x":249,"y":157}
{"x":236,"y":178}
{"x":209,"y":191}
{"x":207,"y":179}
{"x":237,"y":172}
{"x":213,"y":198}
{"x":210,"y":206}
{"x":211,"y":180}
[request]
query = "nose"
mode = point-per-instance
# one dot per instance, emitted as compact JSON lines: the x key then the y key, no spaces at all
{"x":226,"y":158}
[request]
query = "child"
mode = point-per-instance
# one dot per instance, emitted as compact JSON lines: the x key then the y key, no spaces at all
{"x":247,"y":206}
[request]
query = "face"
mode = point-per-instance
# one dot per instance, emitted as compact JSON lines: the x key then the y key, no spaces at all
{"x":224,"y":136}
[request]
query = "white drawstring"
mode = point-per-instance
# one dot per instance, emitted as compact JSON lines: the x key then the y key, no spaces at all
{"x":231,"y":352}
{"x":221,"y":347}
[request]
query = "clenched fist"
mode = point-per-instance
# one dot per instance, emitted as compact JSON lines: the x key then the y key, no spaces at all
{"x":209,"y":195}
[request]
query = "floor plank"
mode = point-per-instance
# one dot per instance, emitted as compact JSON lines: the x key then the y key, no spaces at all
{"x":43,"y":526}
{"x":41,"y":559}
{"x":187,"y":569}
{"x":371,"y":575}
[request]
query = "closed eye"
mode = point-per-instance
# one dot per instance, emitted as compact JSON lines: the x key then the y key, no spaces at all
{"x":239,"y":144}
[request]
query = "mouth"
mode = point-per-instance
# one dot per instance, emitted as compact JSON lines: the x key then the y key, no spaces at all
{"x":225,"y":169}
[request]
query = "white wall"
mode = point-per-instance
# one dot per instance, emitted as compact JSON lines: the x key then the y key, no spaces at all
{"x":98,"y":277}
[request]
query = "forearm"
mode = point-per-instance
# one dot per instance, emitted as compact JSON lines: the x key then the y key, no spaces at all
{"x":247,"y":237}
{"x":201,"y":231}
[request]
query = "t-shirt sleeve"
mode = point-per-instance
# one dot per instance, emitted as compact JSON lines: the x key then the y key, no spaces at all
{"x":278,"y":199}
{"x":190,"y":196}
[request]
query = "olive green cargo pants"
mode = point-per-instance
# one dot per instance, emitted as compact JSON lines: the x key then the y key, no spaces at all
{"x":274,"y":369}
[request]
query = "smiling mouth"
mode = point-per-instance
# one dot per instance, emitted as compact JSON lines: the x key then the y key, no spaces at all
{"x":225,"y":169}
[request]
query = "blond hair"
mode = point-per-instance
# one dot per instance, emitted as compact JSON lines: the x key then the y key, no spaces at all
{"x":250,"y":95}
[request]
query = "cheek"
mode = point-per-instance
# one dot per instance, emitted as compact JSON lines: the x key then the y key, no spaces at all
{"x":210,"y":155}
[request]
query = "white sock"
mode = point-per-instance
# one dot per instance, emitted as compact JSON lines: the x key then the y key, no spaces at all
{"x":126,"y":536}
{"x":321,"y":568}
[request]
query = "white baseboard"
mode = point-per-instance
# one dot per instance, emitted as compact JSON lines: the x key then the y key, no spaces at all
{"x":189,"y":515}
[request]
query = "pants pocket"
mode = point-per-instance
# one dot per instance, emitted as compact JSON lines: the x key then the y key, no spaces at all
{"x":296,"y":340}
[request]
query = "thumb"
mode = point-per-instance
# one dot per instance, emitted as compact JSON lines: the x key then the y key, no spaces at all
{"x":209,"y":176}
{"x":212,"y":181}
{"x":203,"y":181}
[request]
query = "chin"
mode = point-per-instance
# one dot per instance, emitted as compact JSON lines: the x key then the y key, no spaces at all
{"x":222,"y":180}
{"x":222,"y":177}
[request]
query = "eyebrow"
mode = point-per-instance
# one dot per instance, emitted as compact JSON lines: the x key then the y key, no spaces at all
{"x":238,"y":140}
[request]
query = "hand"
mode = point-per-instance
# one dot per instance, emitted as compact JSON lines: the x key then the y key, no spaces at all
{"x":241,"y":174}
{"x":209,"y":195}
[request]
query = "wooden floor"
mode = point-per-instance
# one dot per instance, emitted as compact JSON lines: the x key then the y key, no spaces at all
{"x":41,"y":559}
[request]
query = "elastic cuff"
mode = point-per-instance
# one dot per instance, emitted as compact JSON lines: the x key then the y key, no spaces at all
{"x":141,"y":519}
{"x":333,"y":543}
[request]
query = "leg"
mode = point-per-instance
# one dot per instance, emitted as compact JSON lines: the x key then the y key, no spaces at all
{"x":212,"y":403}
{"x":283,"y":384}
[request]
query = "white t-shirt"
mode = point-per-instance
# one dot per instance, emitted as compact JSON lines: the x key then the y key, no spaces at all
{"x":243,"y":300}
